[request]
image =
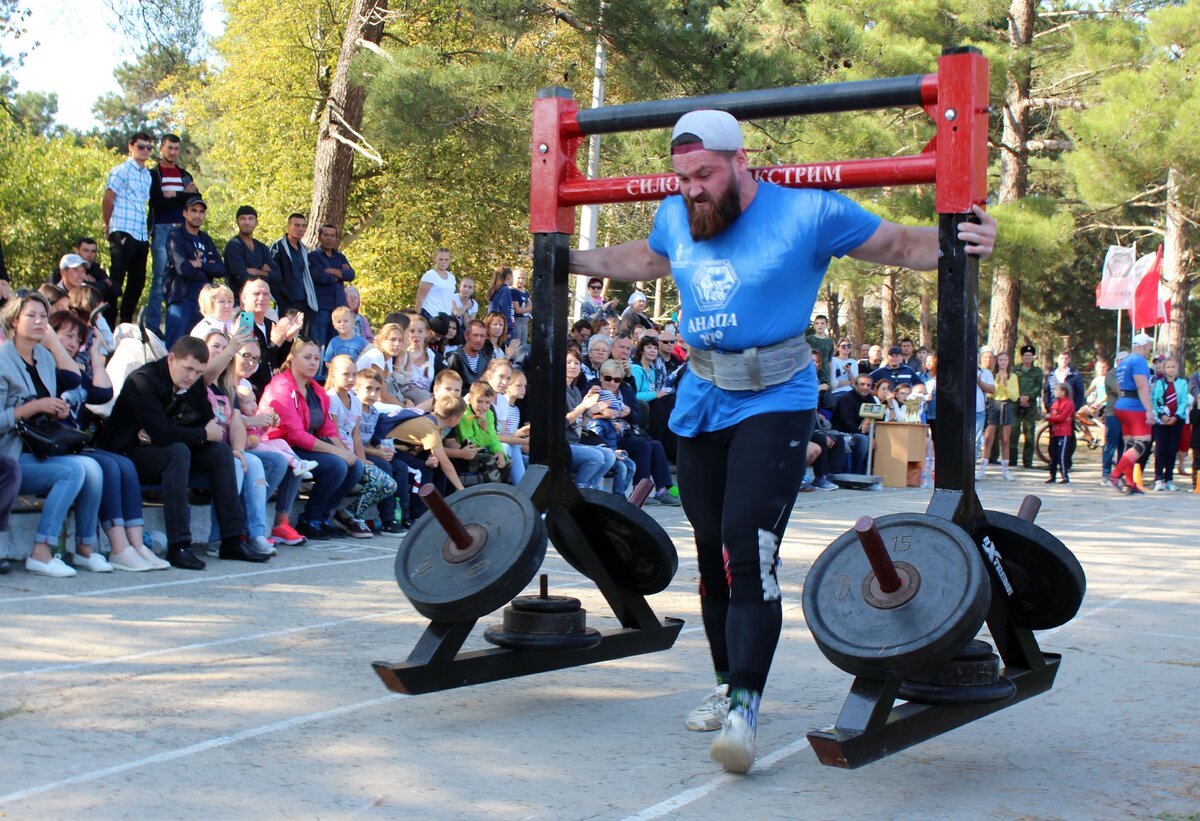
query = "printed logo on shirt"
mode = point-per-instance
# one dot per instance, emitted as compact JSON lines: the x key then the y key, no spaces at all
{"x":714,"y":284}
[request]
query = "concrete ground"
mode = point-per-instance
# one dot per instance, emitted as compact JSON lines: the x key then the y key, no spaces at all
{"x":246,"y":691}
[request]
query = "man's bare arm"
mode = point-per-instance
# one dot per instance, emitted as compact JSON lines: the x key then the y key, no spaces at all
{"x":916,"y":246}
{"x":630,"y":262}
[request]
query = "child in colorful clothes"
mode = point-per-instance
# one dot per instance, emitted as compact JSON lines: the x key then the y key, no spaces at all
{"x":1062,"y":421}
{"x":346,"y":411}
{"x":367,"y":386}
{"x":478,"y":428}
{"x":256,"y":423}
{"x":514,"y":435}
{"x":609,"y":431}
{"x":348,"y":341}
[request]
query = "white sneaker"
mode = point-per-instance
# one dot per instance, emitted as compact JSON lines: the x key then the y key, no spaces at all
{"x":734,"y":747}
{"x":264,"y":545}
{"x":149,"y":557}
{"x":129,"y":559}
{"x":55,"y":568}
{"x":981,"y":474}
{"x":1171,"y":486}
{"x":1160,"y":486}
{"x":306,"y":466}
{"x":95,"y":563}
{"x":712,"y":711}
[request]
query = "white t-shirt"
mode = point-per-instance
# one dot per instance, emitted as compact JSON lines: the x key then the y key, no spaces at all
{"x":441,"y":292}
{"x":843,"y":372}
{"x":372,"y":356}
{"x":985,"y":376}
{"x":345,"y":417}
{"x":471,"y":311}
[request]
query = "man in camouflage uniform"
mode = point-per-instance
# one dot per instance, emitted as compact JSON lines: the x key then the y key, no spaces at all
{"x":1025,"y":414}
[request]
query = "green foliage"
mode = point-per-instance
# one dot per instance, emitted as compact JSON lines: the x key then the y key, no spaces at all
{"x":50,"y":195}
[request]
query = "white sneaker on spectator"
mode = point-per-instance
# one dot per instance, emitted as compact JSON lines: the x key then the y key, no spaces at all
{"x":213,"y":549}
{"x":712,"y":711}
{"x":151,"y":559}
{"x":55,"y":568}
{"x":129,"y":559}
{"x":734,"y":747}
{"x":95,"y":563}
{"x":264,"y":545}
{"x":305,"y":468}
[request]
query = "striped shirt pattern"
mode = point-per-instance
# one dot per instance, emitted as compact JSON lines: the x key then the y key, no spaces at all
{"x":131,"y":183}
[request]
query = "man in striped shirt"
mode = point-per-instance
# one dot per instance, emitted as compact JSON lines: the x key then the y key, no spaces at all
{"x":124,"y":212}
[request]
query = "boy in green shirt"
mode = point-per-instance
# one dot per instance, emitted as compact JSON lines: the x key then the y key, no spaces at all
{"x":478,"y":427}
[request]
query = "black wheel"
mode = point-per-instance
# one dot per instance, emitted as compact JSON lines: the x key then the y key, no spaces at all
{"x":1042,"y":439}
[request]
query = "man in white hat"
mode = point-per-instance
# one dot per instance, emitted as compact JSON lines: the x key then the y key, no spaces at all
{"x":748,"y":258}
{"x":1136,"y":412}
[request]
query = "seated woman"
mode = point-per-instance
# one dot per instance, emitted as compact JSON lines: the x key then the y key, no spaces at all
{"x":34,"y":369}
{"x":650,"y":382}
{"x":498,"y":344}
{"x":121,"y":515}
{"x":590,"y":462}
{"x":302,"y":408}
{"x":216,"y":310}
{"x":647,"y":454}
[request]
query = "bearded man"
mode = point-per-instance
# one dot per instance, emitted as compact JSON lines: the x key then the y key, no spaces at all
{"x":748,"y":258}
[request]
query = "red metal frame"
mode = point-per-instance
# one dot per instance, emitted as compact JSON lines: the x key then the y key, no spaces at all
{"x":955,"y":160}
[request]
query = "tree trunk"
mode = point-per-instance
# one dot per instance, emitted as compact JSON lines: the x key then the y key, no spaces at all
{"x":1014,"y":164}
{"x":855,"y":323}
{"x":833,"y":307}
{"x":1175,"y":271}
{"x":887,"y":308}
{"x":925,"y":332}
{"x":341,"y":119}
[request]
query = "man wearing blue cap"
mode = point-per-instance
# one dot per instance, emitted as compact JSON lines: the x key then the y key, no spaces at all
{"x":739,"y":249}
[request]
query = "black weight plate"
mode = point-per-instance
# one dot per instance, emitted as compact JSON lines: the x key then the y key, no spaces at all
{"x":961,"y":672}
{"x":542,"y":641}
{"x":1047,"y":580}
{"x":1002,"y":690}
{"x":631,"y":544}
{"x":449,"y":591}
{"x":938,"y":621}
{"x":975,"y":649}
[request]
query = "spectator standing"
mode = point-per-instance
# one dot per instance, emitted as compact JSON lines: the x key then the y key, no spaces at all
{"x":123,"y":209}
{"x":330,"y":271}
{"x":245,"y":257}
{"x":436,"y":290}
{"x":170,"y":186}
{"x":872,"y":360}
{"x":931,"y":393}
{"x":1064,"y":373}
{"x":1171,"y":402}
{"x":294,"y":290}
{"x":522,"y":307}
{"x":1025,"y":413}
{"x":194,"y":263}
{"x":820,"y":341}
{"x":463,"y":305}
{"x":1062,"y":426}
{"x":1112,"y":425}
{"x":985,"y":386}
{"x":908,"y":354}
{"x":163,"y":421}
{"x":895,"y":370}
{"x":500,"y":300}
{"x":999,"y":416}
{"x":594,"y":306}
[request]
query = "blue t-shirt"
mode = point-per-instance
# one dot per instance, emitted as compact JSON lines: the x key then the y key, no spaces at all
{"x":1130,"y":367}
{"x":352,"y":347}
{"x":753,"y":284}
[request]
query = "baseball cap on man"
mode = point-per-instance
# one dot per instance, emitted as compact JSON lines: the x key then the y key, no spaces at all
{"x":72,"y":261}
{"x":895,"y":349}
{"x":195,"y":199}
{"x":1143,"y":339}
{"x":706,"y":129}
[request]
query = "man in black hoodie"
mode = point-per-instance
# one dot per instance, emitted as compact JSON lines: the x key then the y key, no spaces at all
{"x":846,"y":420}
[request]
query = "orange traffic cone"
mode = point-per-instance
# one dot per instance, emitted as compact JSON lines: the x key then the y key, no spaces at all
{"x":1137,"y":476}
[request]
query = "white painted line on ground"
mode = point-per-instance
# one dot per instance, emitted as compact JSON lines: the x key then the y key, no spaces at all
{"x":1117,"y":600}
{"x":55,"y":668}
{"x":203,"y":746}
{"x":1138,"y":631}
{"x":686,"y":797}
{"x":199,"y":579}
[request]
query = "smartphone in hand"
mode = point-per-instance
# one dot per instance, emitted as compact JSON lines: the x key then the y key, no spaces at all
{"x":246,"y":321}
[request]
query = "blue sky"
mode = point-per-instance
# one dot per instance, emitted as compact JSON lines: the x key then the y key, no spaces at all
{"x":76,"y":52}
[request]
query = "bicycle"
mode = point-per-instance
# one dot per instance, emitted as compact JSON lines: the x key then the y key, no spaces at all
{"x":1088,"y":429}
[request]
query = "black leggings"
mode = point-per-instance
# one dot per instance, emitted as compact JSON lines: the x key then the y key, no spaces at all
{"x":737,"y":487}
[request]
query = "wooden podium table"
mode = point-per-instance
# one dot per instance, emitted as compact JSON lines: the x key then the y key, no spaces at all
{"x":900,"y":453}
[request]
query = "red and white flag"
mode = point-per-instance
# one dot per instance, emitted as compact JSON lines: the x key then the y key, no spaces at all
{"x":1120,"y":278}
{"x":1147,"y":309}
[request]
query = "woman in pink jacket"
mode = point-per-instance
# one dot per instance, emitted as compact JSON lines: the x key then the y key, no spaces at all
{"x":305,"y":424}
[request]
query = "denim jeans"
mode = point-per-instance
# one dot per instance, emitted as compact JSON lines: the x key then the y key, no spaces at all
{"x":121,"y":505}
{"x":10,"y":485}
{"x":859,"y":444}
{"x":64,"y":481}
{"x":181,"y":318}
{"x":516,"y":458}
{"x":1114,"y":445}
{"x":253,"y":492}
{"x":158,"y":265}
{"x":278,"y":475}
{"x":590,"y":463}
{"x":979,"y":428}
{"x":332,"y":480}
{"x":623,"y":470}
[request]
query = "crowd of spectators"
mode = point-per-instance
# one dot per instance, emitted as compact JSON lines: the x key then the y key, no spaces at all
{"x":274,"y":385}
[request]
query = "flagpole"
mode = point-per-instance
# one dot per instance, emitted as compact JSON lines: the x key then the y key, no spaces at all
{"x":1133,"y":302}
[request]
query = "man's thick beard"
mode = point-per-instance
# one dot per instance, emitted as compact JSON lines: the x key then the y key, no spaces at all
{"x":707,"y":223}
